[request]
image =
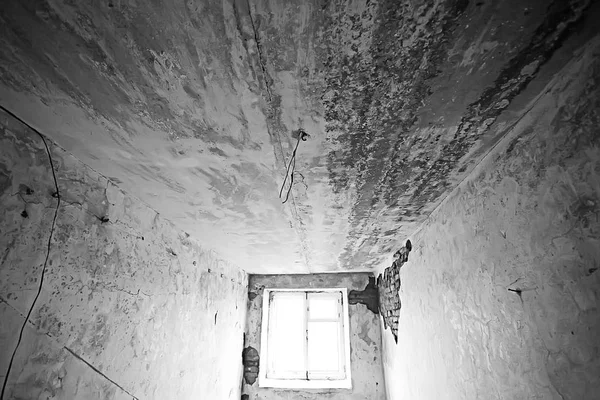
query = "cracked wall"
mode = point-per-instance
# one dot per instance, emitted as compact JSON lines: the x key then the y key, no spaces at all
{"x":365,"y":338}
{"x":130,"y":306}
{"x":500,"y":294}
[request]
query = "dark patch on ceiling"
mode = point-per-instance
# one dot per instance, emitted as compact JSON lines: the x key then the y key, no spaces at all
{"x":373,"y":97}
{"x":561,"y":21}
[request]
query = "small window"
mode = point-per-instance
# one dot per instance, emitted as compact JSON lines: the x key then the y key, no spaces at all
{"x":305,"y":339}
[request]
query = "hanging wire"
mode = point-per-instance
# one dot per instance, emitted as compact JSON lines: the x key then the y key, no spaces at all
{"x":302,"y":135}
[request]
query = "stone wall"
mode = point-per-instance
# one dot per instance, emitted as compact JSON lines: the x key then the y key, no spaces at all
{"x":129,"y":306}
{"x":500,"y":295}
{"x":365,"y":339}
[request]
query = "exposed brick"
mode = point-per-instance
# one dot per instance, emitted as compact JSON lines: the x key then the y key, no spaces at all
{"x":389,"y":290}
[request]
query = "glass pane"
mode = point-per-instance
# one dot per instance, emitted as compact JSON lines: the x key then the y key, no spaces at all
{"x":287,"y":336}
{"x":324,"y":346}
{"x":324,"y":305}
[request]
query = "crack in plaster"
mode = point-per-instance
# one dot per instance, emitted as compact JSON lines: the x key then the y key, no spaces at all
{"x":158,"y":229}
{"x":26,"y":317}
{"x":77,"y":356}
{"x":49,"y":244}
{"x":261,"y":61}
{"x":272,"y":117}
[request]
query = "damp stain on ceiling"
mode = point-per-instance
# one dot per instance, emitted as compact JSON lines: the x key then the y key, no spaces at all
{"x":195,"y":106}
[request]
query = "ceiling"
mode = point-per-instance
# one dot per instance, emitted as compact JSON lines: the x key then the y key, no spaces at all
{"x":192,"y":106}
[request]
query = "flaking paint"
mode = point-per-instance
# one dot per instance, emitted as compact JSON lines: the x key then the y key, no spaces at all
{"x":192,"y":106}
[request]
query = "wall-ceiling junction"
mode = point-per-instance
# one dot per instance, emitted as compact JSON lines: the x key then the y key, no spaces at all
{"x":191,"y":105}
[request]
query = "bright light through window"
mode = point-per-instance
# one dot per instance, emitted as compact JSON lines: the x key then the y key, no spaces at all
{"x":305,"y":339}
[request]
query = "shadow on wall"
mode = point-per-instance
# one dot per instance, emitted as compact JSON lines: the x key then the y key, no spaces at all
{"x":389,"y":290}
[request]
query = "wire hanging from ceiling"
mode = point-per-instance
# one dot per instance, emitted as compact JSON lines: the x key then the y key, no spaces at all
{"x":302,"y":135}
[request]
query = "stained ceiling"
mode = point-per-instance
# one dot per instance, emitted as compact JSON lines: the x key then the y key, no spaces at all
{"x":195,"y":107}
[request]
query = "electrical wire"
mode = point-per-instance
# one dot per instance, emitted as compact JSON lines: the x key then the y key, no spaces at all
{"x":40,"y":286}
{"x":301,"y":136}
{"x":287,"y":172}
{"x":291,"y":182}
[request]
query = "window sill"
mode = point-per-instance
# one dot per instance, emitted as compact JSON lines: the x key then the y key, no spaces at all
{"x":304,"y":384}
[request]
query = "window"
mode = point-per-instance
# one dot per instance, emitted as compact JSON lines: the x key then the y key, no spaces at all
{"x":305,"y":339}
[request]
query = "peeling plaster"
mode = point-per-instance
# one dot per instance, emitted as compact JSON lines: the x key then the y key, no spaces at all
{"x":389,"y":284}
{"x":401,"y":100}
{"x":369,"y":296}
{"x":250,"y":359}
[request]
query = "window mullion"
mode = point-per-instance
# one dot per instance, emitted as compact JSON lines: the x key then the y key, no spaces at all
{"x":341,"y":344}
{"x":271,"y":323}
{"x":306,"y":313}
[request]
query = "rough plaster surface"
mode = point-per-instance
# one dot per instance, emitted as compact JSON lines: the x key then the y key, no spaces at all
{"x":528,"y":220}
{"x":191,"y":105}
{"x":365,"y":338}
{"x":139,"y":301}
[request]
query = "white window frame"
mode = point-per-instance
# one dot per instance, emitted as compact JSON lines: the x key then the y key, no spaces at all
{"x":264,"y":381}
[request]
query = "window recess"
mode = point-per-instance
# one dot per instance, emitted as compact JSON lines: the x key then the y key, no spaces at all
{"x":305,"y":339}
